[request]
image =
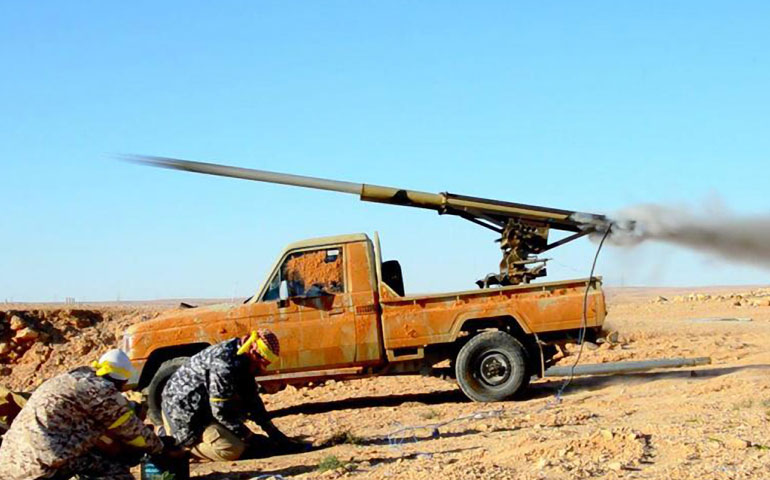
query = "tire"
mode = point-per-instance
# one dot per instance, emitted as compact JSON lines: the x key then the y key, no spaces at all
{"x":155,"y":389}
{"x":492,"y":367}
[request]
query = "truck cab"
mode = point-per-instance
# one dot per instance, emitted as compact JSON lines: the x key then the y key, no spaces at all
{"x":340,"y":312}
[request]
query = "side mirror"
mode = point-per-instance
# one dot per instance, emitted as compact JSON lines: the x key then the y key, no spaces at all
{"x":283,"y":291}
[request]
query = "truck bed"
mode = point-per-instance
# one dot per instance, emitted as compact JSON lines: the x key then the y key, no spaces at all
{"x":419,"y":320}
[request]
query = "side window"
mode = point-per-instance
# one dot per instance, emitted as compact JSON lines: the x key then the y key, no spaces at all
{"x":309,"y":274}
{"x":271,"y":294}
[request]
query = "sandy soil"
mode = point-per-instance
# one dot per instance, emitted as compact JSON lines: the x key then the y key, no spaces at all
{"x":705,"y":422}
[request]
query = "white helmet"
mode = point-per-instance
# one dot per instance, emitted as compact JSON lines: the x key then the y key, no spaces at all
{"x":115,"y":364}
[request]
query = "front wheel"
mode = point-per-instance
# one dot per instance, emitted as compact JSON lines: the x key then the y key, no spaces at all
{"x":155,"y":389}
{"x":491,"y":367}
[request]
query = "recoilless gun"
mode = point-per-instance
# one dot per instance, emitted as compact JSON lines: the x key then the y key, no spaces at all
{"x":523,"y":229}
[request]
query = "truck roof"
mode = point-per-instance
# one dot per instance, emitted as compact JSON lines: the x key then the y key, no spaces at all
{"x":320,"y":241}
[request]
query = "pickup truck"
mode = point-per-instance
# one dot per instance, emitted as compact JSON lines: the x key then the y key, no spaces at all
{"x":340,"y":312}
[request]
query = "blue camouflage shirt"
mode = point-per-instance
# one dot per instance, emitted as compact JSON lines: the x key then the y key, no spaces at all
{"x":212,"y":386}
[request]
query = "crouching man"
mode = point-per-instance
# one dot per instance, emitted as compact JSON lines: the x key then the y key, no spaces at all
{"x":206,"y":401}
{"x":65,"y":427}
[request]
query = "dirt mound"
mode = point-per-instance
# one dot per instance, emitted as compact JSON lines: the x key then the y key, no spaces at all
{"x":758,"y":297}
{"x":597,"y":453}
{"x":38,"y":343}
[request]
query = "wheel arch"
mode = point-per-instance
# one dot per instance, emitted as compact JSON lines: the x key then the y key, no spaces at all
{"x":503,"y":318}
{"x":157,"y":357}
{"x":505,"y":323}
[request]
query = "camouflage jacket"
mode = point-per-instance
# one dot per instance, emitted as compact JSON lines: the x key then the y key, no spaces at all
{"x":63,"y":419}
{"x":213,"y":386}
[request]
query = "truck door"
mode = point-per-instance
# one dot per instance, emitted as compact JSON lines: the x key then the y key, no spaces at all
{"x":316,"y":325}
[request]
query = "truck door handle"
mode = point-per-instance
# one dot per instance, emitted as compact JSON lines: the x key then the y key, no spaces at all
{"x":336,"y":311}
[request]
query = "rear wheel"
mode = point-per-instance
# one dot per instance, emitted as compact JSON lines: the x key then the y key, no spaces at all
{"x":492,"y":367}
{"x":155,"y":389}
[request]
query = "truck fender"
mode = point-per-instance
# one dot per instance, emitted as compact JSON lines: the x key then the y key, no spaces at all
{"x":157,"y":357}
{"x":463,"y":321}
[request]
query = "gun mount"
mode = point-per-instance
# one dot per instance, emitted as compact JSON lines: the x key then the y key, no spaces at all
{"x":523,"y":229}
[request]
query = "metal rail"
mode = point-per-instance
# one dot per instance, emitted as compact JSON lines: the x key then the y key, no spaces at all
{"x":522,"y":228}
{"x":247,"y":174}
{"x":447,"y":203}
{"x":626,"y":367}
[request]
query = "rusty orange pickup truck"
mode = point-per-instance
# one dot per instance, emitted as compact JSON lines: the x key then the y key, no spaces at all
{"x":340,"y":312}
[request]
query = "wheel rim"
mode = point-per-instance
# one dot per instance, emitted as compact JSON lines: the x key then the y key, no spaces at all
{"x":494,"y":369}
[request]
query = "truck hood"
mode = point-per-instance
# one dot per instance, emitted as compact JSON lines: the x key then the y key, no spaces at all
{"x":185,"y":317}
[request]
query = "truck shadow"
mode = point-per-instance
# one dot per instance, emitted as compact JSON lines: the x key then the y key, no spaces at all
{"x":538,"y":390}
{"x":432,"y":398}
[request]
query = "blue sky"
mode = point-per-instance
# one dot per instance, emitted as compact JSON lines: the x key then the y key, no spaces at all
{"x":580,"y":105}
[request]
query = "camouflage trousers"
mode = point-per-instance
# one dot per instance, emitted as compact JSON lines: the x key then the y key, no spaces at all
{"x":95,"y":465}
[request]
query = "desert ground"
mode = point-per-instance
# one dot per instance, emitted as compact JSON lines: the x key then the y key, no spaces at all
{"x":702,"y":422}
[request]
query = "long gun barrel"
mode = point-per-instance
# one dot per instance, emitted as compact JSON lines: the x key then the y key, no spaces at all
{"x":523,"y":228}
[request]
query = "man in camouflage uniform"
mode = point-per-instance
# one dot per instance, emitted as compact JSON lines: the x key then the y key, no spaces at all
{"x":65,"y":427}
{"x":206,"y":401}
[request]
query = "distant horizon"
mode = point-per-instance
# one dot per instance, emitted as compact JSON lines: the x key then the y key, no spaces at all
{"x":217,"y":300}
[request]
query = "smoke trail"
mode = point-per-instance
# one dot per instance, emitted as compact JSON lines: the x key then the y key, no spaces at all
{"x":719,"y":232}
